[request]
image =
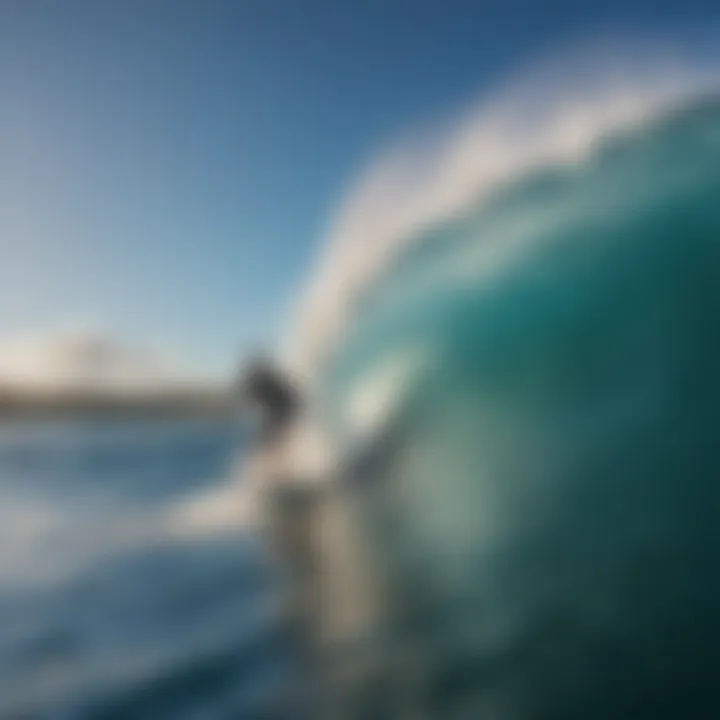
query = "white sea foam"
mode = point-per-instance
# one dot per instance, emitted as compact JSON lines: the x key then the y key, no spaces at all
{"x":45,"y":540}
{"x":556,"y":114}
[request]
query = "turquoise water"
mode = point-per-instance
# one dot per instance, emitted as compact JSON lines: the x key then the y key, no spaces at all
{"x":545,"y":466}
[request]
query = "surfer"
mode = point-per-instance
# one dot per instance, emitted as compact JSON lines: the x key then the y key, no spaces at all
{"x":288,"y":502}
{"x":309,"y":515}
{"x":272,"y":394}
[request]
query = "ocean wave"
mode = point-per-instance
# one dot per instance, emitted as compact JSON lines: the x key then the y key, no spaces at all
{"x":544,"y":491}
{"x":556,"y":115}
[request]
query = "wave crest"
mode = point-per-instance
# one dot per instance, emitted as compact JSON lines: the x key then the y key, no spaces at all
{"x":555,"y":115}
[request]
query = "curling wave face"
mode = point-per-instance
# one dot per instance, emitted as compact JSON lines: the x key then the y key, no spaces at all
{"x":556,"y":115}
{"x":538,"y":374}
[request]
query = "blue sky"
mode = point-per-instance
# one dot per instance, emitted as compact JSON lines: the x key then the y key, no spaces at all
{"x":167,"y":168}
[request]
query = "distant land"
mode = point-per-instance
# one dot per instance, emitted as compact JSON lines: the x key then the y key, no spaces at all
{"x":89,"y":374}
{"x":165,"y":404}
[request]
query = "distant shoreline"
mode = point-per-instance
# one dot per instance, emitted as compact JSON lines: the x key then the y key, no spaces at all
{"x":190,"y":403}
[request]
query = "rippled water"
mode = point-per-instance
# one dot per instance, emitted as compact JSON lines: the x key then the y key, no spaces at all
{"x":110,"y":607}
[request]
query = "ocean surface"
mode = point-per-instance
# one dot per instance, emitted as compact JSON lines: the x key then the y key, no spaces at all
{"x":111,"y":606}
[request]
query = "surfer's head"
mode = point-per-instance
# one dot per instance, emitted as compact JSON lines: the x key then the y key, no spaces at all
{"x":271,"y":395}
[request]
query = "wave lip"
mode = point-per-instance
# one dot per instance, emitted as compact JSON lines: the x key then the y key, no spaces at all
{"x":556,"y":115}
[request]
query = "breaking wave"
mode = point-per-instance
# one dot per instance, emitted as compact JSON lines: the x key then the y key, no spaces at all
{"x":524,"y":319}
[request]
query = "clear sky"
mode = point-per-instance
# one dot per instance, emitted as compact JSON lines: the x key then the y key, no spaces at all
{"x":167,"y":167}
